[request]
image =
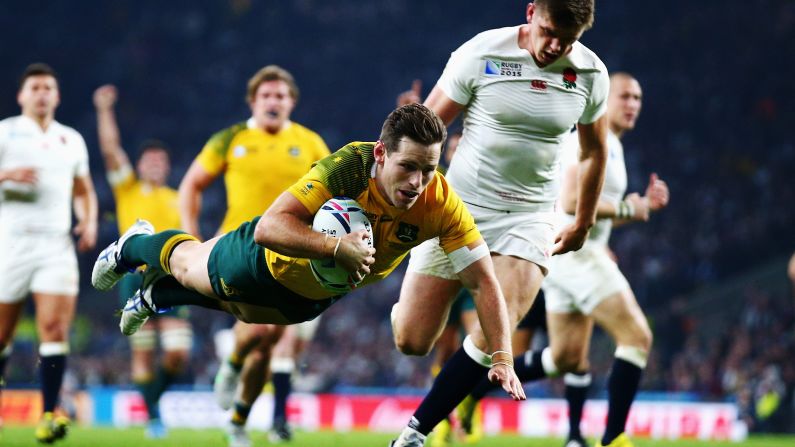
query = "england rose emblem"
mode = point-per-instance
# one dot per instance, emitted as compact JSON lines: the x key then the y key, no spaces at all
{"x":570,"y":78}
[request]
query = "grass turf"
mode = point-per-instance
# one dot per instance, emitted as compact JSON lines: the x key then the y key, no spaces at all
{"x":134,"y":437}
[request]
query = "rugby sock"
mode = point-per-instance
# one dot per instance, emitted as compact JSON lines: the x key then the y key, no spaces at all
{"x":52,"y":358}
{"x":240,"y":413}
{"x":621,"y":388}
{"x":153,"y":250}
{"x":3,"y":360}
{"x":235,"y":360}
{"x":282,"y":371}
{"x":456,"y":379}
{"x":577,"y":385}
{"x":144,"y":386}
{"x":530,"y":366}
{"x":168,"y":292}
{"x":155,"y":389}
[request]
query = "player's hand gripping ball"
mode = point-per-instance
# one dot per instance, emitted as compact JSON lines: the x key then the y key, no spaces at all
{"x":337,"y":217}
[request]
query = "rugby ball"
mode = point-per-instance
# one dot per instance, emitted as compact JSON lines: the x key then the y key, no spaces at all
{"x":337,"y":217}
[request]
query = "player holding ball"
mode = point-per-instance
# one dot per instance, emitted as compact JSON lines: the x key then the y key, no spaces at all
{"x":261,"y":273}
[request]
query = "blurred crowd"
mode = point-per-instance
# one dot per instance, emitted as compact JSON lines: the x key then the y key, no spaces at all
{"x":716,"y":125}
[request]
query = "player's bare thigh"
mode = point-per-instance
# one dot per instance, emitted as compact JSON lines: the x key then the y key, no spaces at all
{"x":622,"y":318}
{"x":520,"y":281}
{"x":188,"y":264}
{"x":419,"y":316}
{"x":54,"y":315}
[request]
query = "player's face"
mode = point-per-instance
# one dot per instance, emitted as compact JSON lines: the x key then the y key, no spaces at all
{"x":623,"y":103}
{"x":154,"y":166}
{"x":548,"y":42}
{"x":272,"y":105}
{"x":39,"y":96}
{"x":405,"y":173}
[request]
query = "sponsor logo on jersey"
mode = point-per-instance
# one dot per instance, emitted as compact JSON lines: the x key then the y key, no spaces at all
{"x":306,"y":189}
{"x":294,"y":151}
{"x":538,"y":85}
{"x":239,"y":151}
{"x":407,"y":232}
{"x":569,"y":78}
{"x":502,"y":68}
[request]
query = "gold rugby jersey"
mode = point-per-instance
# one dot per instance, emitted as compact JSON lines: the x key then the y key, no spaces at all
{"x":438,"y":212}
{"x":136,"y":199}
{"x":258,"y":166}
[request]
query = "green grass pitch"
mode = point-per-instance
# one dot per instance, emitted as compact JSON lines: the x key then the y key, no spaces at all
{"x":98,"y":437}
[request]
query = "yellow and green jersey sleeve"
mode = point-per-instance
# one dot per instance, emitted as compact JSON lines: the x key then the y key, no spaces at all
{"x":438,"y":212}
{"x":138,"y":200}
{"x":258,"y":166}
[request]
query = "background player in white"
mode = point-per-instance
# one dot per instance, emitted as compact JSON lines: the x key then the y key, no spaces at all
{"x":586,"y":286}
{"x":522,"y":88}
{"x":43,"y":174}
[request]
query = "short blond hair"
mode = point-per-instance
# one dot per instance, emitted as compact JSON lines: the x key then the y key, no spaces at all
{"x":271,"y":73}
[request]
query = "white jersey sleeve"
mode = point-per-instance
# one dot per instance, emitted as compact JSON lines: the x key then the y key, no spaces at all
{"x":81,"y":153}
{"x":596,"y":105}
{"x":460,"y":76}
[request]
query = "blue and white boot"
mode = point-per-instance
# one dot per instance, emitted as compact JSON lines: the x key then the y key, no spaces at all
{"x":107,"y":269}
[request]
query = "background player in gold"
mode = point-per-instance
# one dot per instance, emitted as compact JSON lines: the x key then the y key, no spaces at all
{"x":144,"y":194}
{"x":259,"y":158}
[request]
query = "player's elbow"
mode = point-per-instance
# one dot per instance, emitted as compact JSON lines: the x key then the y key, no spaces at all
{"x":261,"y":232}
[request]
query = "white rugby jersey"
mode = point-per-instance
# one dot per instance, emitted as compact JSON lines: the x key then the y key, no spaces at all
{"x":614,"y":188}
{"x":58,"y":155}
{"x":517,"y":115}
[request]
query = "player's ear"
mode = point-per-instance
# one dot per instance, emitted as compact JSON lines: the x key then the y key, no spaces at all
{"x":379,"y":152}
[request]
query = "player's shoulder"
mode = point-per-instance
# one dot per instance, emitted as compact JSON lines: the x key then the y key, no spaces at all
{"x":219,"y":141}
{"x":584,"y":59}
{"x":68,"y":131}
{"x":438,"y":191}
{"x":227,"y":133}
{"x":347,"y":171}
{"x":491,"y":40}
{"x":303,"y":130}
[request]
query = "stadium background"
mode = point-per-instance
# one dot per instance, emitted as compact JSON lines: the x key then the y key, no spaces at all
{"x":716,"y":124}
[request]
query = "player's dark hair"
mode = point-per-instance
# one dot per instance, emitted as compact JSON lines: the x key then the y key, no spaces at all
{"x":414,"y":121}
{"x":36,"y":69}
{"x":271,"y":73}
{"x":568,"y":13}
{"x":153,"y":145}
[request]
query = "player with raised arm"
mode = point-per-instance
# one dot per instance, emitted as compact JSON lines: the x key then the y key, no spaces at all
{"x":523,"y":88}
{"x":43,"y":176}
{"x":144,"y":194}
{"x":259,"y":159}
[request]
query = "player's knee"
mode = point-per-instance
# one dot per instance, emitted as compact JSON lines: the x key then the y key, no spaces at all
{"x":175,"y":361}
{"x":53,"y":329}
{"x":411,"y":345}
{"x":567,"y":359}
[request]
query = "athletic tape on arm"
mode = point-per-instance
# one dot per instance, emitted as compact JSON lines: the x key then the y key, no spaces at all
{"x":464,"y":257}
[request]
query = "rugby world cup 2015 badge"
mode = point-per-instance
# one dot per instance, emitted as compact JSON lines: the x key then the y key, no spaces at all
{"x":502,"y":68}
{"x":407,"y":232}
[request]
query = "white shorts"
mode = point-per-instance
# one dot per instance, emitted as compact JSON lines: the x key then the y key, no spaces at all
{"x":306,"y":330}
{"x":38,"y":263}
{"x":578,"y":281}
{"x":525,"y":235}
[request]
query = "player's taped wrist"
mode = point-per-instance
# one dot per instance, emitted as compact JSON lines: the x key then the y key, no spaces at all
{"x":625,"y":210}
{"x":336,"y":248}
{"x":501,"y":358}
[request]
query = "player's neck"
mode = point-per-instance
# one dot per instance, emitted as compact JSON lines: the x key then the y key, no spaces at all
{"x":617,"y":131}
{"x":273,"y":130}
{"x":43,"y":121}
